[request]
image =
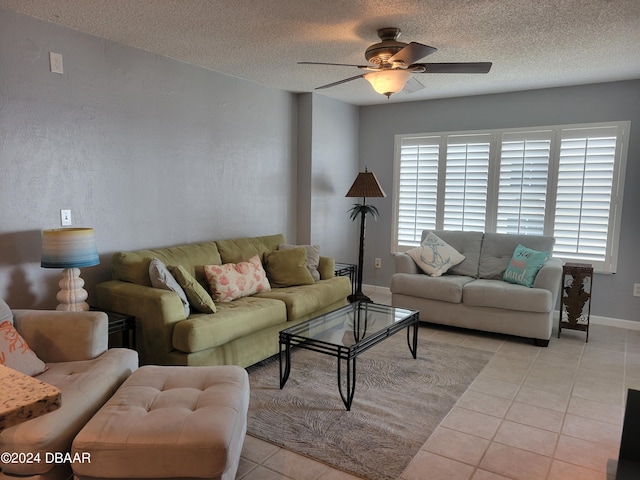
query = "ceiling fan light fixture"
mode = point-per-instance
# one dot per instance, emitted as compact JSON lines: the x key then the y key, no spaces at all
{"x":388,"y":82}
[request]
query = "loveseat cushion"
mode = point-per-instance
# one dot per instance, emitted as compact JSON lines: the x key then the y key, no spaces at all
{"x":447,"y":288}
{"x":500,"y":294}
{"x":134,"y":266}
{"x":241,"y":249}
{"x":232,"y":320}
{"x":467,"y":244}
{"x":302,"y":300}
{"x":497,"y":251}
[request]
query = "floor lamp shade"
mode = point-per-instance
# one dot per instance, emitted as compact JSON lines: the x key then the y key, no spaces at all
{"x":365,"y":185}
{"x":70,"y":249}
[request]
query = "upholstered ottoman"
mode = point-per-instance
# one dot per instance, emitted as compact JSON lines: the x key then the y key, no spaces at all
{"x":169,"y":423}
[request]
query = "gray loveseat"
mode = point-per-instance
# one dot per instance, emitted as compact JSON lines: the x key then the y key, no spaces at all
{"x":473,"y":295}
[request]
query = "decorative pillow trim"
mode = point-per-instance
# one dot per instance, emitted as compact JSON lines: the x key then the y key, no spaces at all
{"x":16,"y":354}
{"x":435,"y":256}
{"x":236,"y":280}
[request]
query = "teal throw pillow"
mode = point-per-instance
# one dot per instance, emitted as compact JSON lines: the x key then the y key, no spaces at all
{"x":524,"y":266}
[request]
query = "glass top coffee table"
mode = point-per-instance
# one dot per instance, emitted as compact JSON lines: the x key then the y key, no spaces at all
{"x":346,"y":333}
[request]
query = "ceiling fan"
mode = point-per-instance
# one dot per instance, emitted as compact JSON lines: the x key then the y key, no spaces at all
{"x":392,"y":63}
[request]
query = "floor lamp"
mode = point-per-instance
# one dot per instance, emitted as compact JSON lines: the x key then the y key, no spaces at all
{"x":70,"y":249}
{"x":365,"y":185}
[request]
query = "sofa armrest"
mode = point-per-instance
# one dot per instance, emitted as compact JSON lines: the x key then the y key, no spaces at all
{"x":156,"y":311}
{"x":549,"y":277}
{"x":58,"y":336}
{"x":405,"y":264}
{"x":327,"y":267}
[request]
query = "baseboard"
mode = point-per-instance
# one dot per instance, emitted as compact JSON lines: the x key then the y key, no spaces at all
{"x":595,"y":319}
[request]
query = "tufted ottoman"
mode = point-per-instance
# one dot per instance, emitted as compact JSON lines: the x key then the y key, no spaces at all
{"x":168,"y":422}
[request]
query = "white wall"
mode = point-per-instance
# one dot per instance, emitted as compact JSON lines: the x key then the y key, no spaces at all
{"x":612,"y":294}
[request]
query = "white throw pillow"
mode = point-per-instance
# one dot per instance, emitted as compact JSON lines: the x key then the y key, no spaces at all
{"x":161,"y":278}
{"x":435,"y":256}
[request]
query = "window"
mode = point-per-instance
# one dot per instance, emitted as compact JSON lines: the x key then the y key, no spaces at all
{"x":563,"y":181}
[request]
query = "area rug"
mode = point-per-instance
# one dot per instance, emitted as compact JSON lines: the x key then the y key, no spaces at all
{"x":398,"y":403}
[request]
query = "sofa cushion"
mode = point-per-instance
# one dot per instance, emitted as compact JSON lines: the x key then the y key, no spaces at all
{"x":198,"y":297}
{"x":231,"y":281}
{"x":434,"y":256}
{"x":162,"y":278}
{"x":447,"y":288}
{"x":500,"y":294}
{"x":497,"y":251}
{"x":313,"y":258}
{"x":467,"y":244}
{"x":524,"y":266}
{"x":288,"y":267}
{"x":232,"y":320}
{"x":241,"y":249}
{"x":303,"y":300}
{"x":134,"y":266}
{"x":16,"y":354}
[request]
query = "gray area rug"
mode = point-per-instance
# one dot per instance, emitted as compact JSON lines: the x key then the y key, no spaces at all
{"x":398,"y":403}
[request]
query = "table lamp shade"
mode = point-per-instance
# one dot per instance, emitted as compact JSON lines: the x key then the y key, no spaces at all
{"x":69,"y":248}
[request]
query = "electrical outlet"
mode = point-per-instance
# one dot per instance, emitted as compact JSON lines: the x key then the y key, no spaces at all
{"x":378,"y":263}
{"x":65,"y":218}
{"x":636,"y":289}
{"x":55,"y":62}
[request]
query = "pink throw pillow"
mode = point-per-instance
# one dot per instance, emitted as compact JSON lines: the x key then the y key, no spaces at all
{"x":235,"y":280}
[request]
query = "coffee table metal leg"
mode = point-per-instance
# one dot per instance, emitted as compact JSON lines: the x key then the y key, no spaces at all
{"x":413,"y":343}
{"x":350,"y":387}
{"x":286,"y":369}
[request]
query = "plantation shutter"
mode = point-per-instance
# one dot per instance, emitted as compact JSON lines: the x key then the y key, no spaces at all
{"x":466,"y":182}
{"x":417,"y":188}
{"x":522,"y":188}
{"x":583,"y":201}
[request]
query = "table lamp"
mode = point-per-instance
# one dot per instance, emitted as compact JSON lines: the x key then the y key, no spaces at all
{"x":365,"y":185}
{"x":70,"y":249}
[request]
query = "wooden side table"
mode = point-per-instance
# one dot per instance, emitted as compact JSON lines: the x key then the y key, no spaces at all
{"x":575,"y":297}
{"x":348,"y":270}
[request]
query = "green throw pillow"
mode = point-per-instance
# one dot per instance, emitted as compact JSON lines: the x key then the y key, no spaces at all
{"x":286,"y":268}
{"x":524,"y":266}
{"x":197,"y":295}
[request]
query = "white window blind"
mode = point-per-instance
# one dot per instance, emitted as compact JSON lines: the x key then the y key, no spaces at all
{"x":417,"y":188}
{"x":466,"y":182}
{"x":562,"y":181}
{"x":522,"y":190}
{"x":584,"y":190}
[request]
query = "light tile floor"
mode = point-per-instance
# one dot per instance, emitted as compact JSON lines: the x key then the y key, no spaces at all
{"x":533,"y":413}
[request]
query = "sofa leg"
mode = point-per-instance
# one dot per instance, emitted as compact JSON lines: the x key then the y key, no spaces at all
{"x":538,"y":342}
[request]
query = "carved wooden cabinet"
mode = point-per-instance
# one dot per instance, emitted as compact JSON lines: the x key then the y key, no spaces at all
{"x":575,"y":297}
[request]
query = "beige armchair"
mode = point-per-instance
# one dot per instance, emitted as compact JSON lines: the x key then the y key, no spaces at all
{"x":74,"y":347}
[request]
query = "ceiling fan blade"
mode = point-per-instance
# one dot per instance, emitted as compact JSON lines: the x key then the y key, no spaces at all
{"x":339,"y":82}
{"x":468,"y":67}
{"x":412,"y":85}
{"x":412,"y":53}
{"x":336,"y":64}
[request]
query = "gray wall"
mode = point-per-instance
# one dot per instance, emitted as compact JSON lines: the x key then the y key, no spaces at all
{"x":149,"y":151}
{"x":327,"y":166}
{"x":612,"y":294}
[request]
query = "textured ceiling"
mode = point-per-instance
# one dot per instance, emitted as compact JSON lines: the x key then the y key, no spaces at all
{"x":532,"y":43}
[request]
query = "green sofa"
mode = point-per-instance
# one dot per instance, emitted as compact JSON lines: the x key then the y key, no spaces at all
{"x":241,"y":332}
